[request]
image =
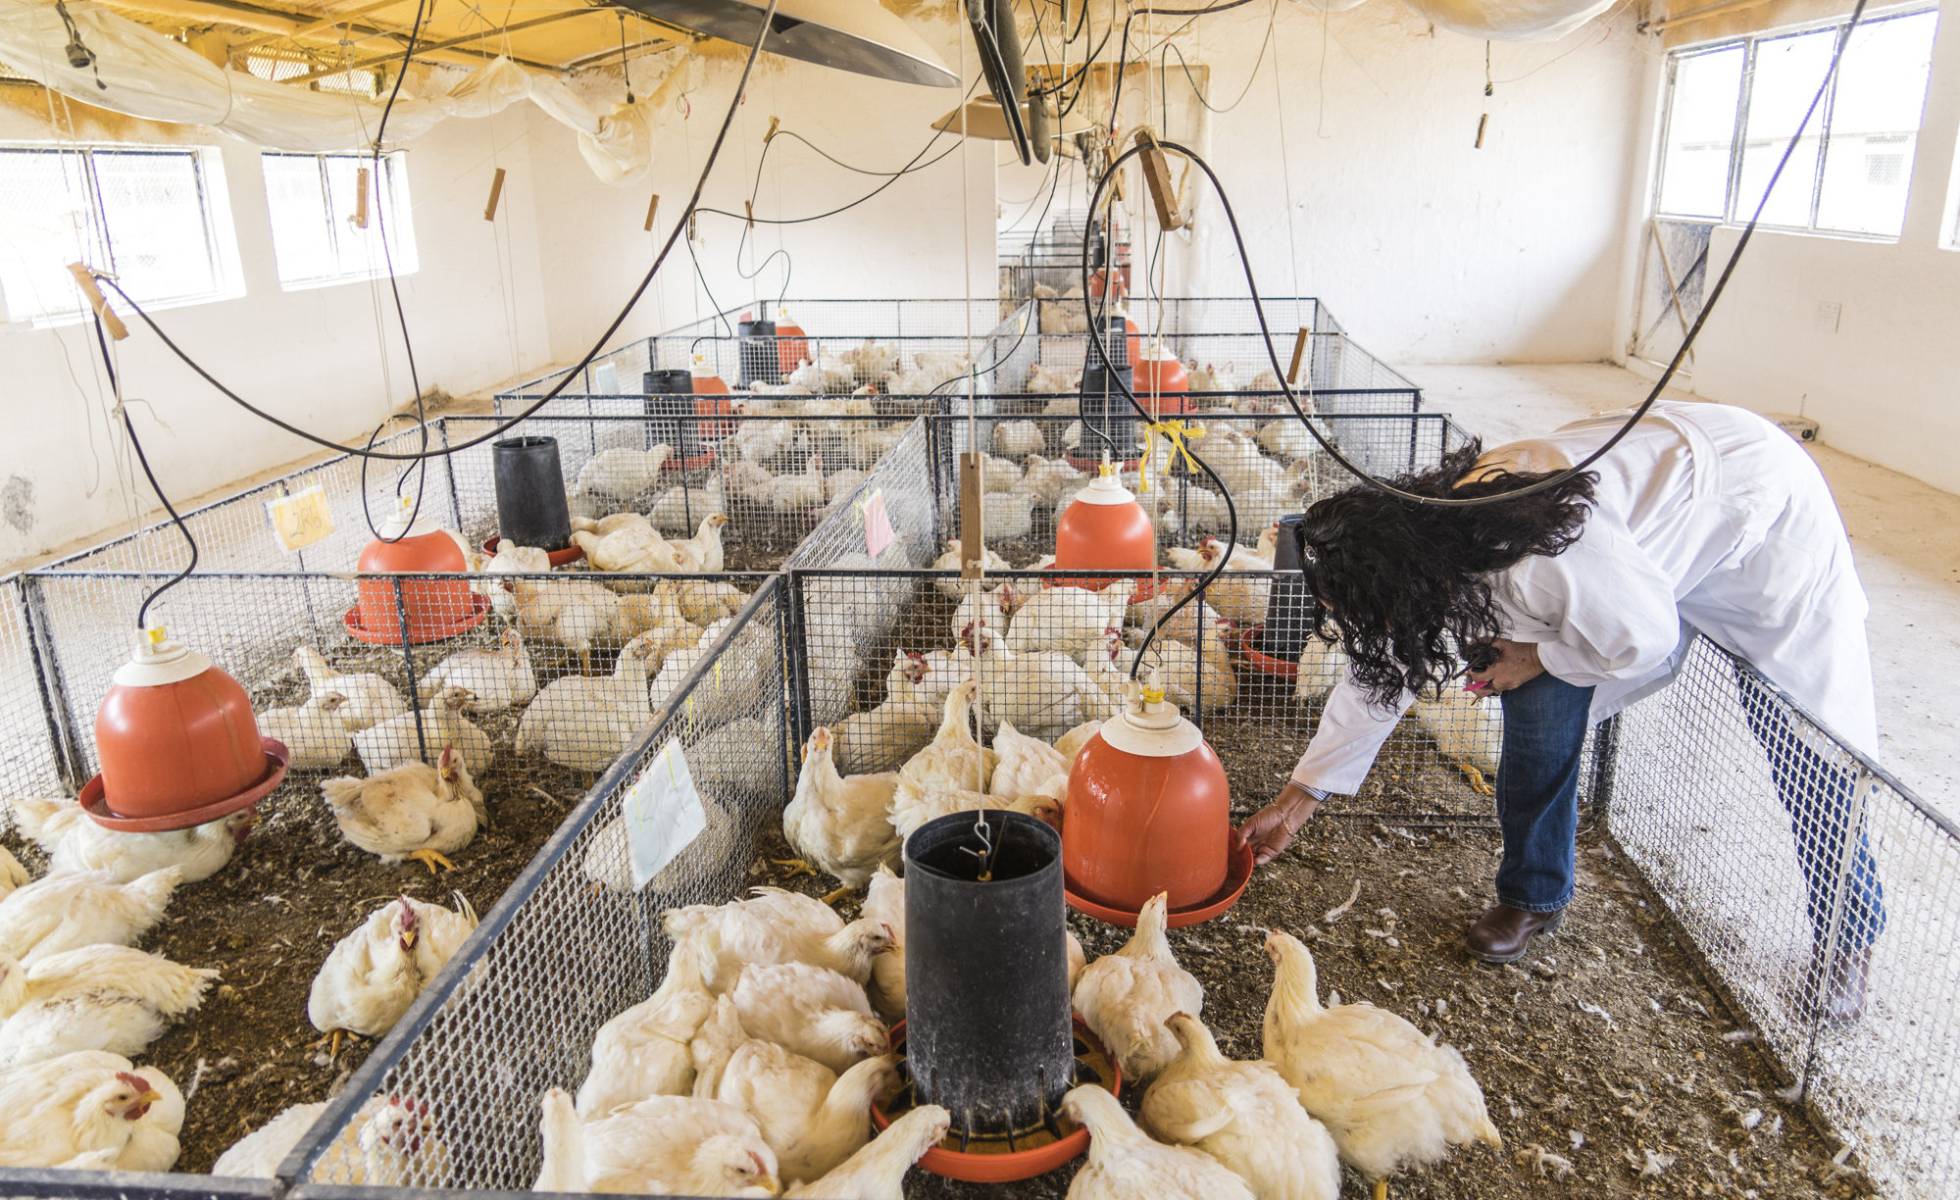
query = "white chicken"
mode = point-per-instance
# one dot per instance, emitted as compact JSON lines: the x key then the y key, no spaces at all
{"x":314,"y":735}
{"x":1007,"y":515}
{"x":1244,"y":1115}
{"x":1127,"y":996}
{"x":1186,"y":681}
{"x":773,"y":926}
{"x":496,"y":678}
{"x":884,"y":902}
{"x":634,"y":548}
{"x":1237,"y":599}
{"x":411,"y":812}
{"x":1043,"y":692}
{"x":882,"y":738}
{"x":388,"y":1144}
{"x":812,"y":1117}
{"x":89,"y":1109}
{"x":1019,"y":438}
{"x":1048,"y":478}
{"x":705,"y":601}
{"x":877,"y":1171}
{"x":955,"y":588}
{"x":681,"y":507}
{"x":12,"y":874}
{"x":1027,"y":766}
{"x":662,"y":1145}
{"x":108,"y":998}
{"x":914,"y":807}
{"x":82,"y":908}
{"x":643,"y":1051}
{"x":810,"y":1010}
{"x":74,"y":842}
{"x":393,"y":743}
{"x":795,"y":493}
{"x":1468,"y":730}
{"x":984,"y":608}
{"x":510,"y":559}
{"x":1390,"y":1096}
{"x":1044,"y":380}
{"x":586,"y":722}
{"x":371,"y":699}
{"x":953,"y":760}
{"x":623,"y":473}
{"x":703,"y":553}
{"x":573,"y":613}
{"x":1069,"y":619}
{"x":1070,"y":744}
{"x":375,"y":972}
{"x":1322,"y":665}
{"x":1124,"y":1163}
{"x":839,"y":823}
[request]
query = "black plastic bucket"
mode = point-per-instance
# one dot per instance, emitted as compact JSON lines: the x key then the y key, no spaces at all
{"x":987,"y":1027}
{"x":759,"y":361}
{"x":670,"y":404}
{"x":531,"y":508}
{"x":1289,"y":615}
{"x":1103,"y":404}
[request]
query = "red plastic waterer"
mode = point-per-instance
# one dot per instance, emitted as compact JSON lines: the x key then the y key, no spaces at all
{"x":711,"y":399}
{"x":435,"y":608}
{"x":1149,"y":810}
{"x":1104,"y":529}
{"x":1162,"y":381}
{"x":791,"y":348}
{"x":178,"y":743}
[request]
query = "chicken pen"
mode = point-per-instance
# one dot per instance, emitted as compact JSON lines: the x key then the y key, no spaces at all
{"x":1656,"y":1048}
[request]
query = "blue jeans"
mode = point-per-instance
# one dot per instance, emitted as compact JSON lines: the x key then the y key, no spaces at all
{"x":1545,"y":724}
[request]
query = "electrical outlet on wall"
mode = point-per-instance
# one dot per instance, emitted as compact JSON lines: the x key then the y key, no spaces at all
{"x":1828,"y":314}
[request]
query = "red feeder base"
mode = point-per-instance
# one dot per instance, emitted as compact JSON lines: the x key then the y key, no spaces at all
{"x":994,"y":1161}
{"x":1238,"y":874}
{"x":420,"y":631}
{"x":557,"y":558}
{"x":94,"y":799}
{"x":1246,"y":644}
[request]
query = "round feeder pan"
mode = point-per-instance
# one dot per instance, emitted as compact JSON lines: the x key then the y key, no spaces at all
{"x":992,"y":1160}
{"x":1247,"y":644}
{"x":419,"y":632}
{"x":557,"y":558}
{"x":1146,"y":589}
{"x":1238,"y":873}
{"x":95,"y":801}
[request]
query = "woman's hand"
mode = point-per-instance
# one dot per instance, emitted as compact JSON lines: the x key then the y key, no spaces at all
{"x":1270,"y":830}
{"x":1516,"y":665}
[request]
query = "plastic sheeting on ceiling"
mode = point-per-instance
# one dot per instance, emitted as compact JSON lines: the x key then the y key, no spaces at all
{"x":1511,"y":20}
{"x":141,"y":73}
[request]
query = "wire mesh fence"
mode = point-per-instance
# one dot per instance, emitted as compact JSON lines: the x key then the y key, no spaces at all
{"x":1787,"y":857}
{"x":32,"y":763}
{"x":477,"y":1050}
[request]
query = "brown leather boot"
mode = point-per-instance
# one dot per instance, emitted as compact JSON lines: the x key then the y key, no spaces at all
{"x":1837,"y":991}
{"x":1503,"y":933}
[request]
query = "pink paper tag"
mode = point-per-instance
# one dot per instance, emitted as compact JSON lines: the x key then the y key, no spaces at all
{"x":877,"y":525}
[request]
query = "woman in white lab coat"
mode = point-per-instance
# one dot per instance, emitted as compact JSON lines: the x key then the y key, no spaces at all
{"x":1581,"y":599}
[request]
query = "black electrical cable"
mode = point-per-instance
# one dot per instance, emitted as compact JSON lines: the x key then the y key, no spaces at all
{"x":1660,"y":385}
{"x":500,"y":429}
{"x":143,"y":460}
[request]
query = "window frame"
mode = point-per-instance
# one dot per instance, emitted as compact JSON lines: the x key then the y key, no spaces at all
{"x":394,"y":165}
{"x":1733,"y":200}
{"x":214,"y":221}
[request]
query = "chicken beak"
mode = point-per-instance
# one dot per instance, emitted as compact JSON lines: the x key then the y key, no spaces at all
{"x":408,"y":940}
{"x":149,"y":1097}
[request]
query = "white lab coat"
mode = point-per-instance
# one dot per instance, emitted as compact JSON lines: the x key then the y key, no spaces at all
{"x":1708,"y":518}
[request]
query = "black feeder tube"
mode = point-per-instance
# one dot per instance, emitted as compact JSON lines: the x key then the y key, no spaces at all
{"x":757,"y":347}
{"x":988,"y":1032}
{"x":1104,"y":399}
{"x":669,"y":405}
{"x":531,"y":508}
{"x":1289,"y":606}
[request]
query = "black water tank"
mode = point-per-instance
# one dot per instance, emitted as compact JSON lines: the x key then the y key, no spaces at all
{"x":531,"y":507}
{"x":670,"y":412}
{"x":759,"y":361}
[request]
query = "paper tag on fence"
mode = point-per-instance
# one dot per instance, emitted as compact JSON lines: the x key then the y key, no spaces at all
{"x":605,"y":379}
{"x":878,"y":533}
{"x":301,"y":519}
{"x":663,"y":814}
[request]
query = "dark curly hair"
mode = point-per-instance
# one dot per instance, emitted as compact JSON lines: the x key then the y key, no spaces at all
{"x":1401,"y":586}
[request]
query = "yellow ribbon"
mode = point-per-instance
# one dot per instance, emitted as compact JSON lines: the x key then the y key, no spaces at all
{"x":1173,"y":432}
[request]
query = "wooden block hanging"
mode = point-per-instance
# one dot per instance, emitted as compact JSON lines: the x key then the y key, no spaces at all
{"x":496,"y":194}
{"x":1301,"y":341}
{"x":775,"y":123}
{"x":973,"y":534}
{"x":1157,"y":176}
{"x":85,"y":280}
{"x":749,"y":205}
{"x":361,"y":198}
{"x":693,"y":226}
{"x":653,"y":206}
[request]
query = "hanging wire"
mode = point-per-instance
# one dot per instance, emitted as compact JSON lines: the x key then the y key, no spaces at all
{"x":625,"y":67}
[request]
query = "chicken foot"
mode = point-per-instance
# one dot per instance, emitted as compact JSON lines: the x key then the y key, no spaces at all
{"x":432,"y":859}
{"x":1381,"y":1185}
{"x":1475,"y":777}
{"x":795,"y":866}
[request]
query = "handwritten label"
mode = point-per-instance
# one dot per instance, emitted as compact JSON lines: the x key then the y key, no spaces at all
{"x":301,"y":519}
{"x":878,"y":535}
{"x":663,"y":815}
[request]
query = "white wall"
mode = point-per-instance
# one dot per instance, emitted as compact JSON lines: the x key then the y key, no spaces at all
{"x":1428,"y":249}
{"x":311,"y":356}
{"x":1883,"y":383}
{"x":905,"y":242}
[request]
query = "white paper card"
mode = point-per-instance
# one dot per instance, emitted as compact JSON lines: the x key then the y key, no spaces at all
{"x":663,"y":814}
{"x":605,"y":379}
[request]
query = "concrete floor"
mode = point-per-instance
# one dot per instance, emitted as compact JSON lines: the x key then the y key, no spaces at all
{"x":1905,"y":537}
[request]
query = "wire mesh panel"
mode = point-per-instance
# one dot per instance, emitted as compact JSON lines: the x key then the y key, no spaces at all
{"x":573,"y":943}
{"x":33,"y":760}
{"x":1787,"y":859}
{"x":771,"y":475}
